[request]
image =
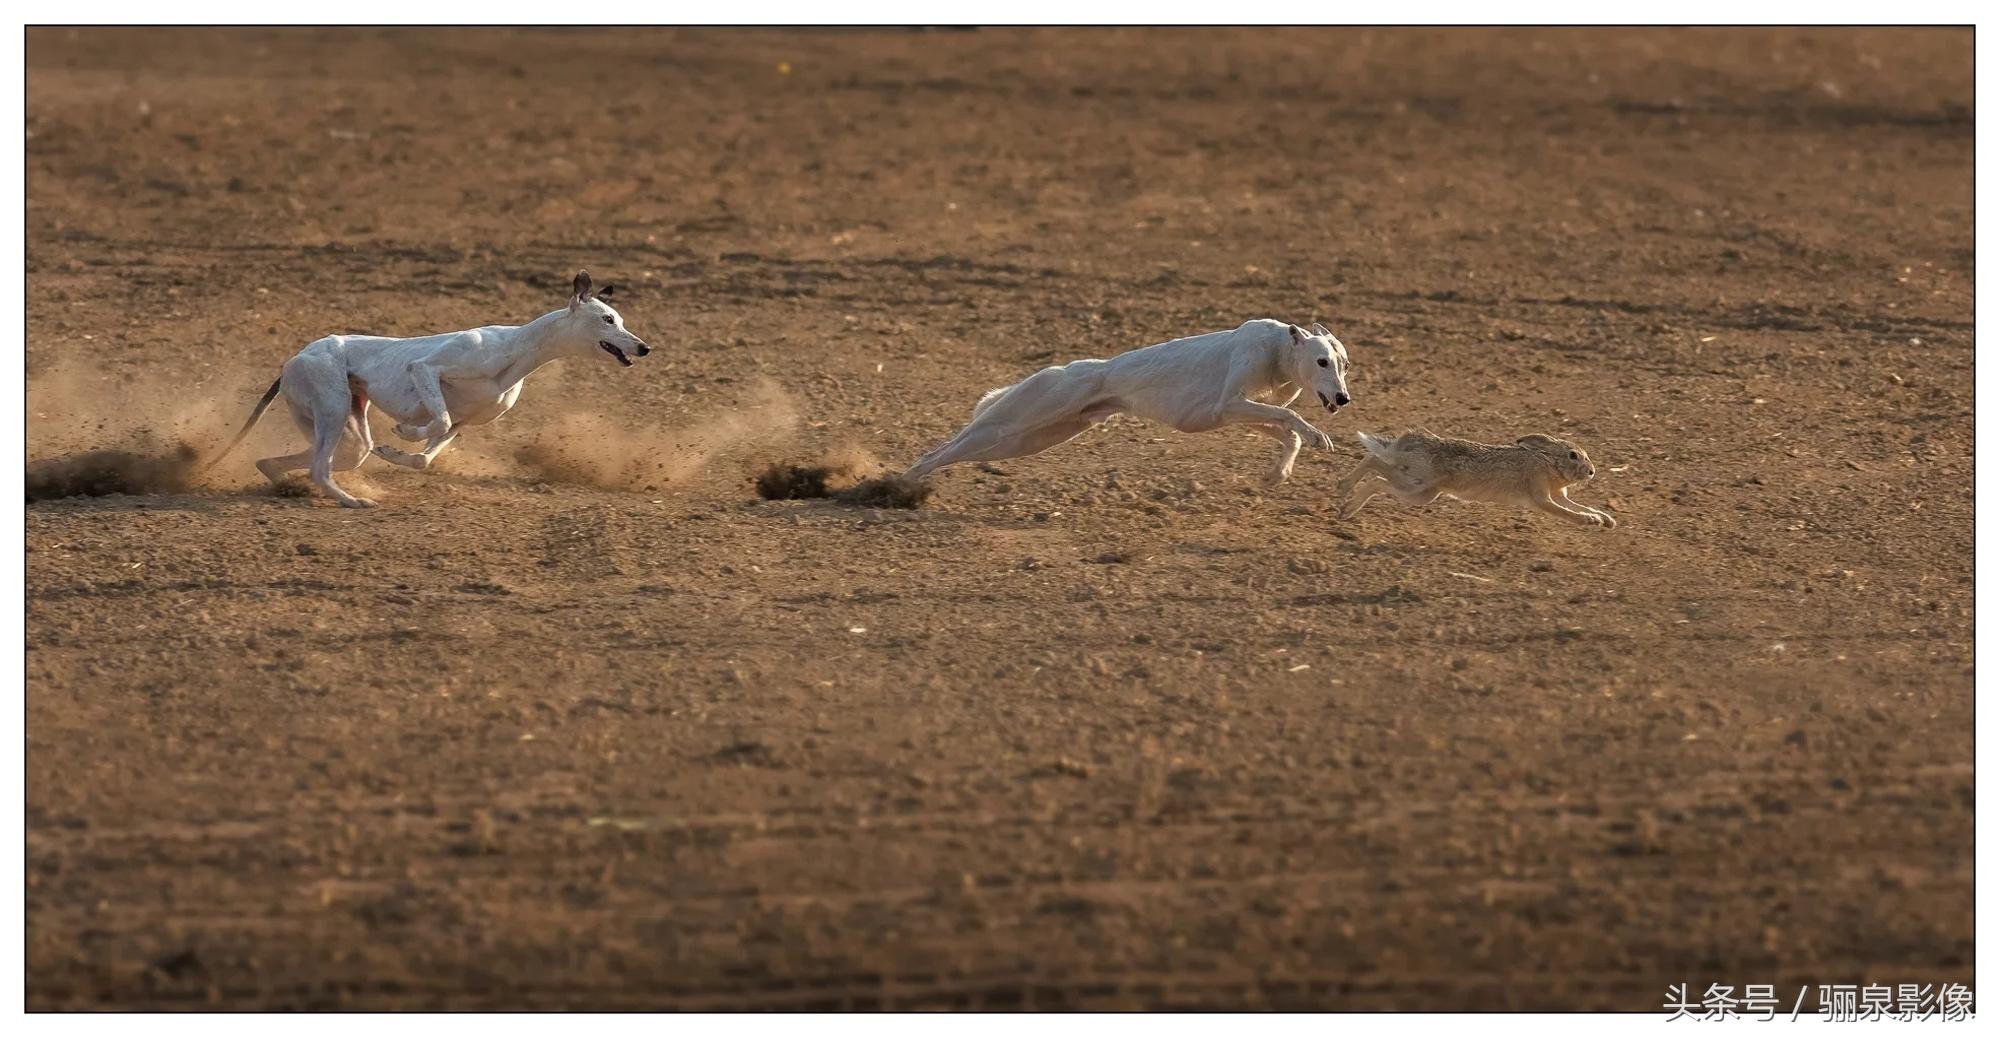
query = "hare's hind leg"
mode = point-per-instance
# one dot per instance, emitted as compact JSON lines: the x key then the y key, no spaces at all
{"x":1359,"y":496}
{"x":1351,"y":491}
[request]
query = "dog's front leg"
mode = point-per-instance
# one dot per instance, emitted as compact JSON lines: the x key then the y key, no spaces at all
{"x":416,"y":460}
{"x":429,"y":385}
{"x":1289,"y":443}
{"x":1245,"y":411}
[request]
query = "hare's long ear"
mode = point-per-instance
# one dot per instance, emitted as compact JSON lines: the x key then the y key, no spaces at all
{"x":1536,"y":441}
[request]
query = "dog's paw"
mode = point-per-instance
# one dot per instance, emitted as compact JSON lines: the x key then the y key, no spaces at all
{"x":358,"y":502}
{"x":395,"y":456}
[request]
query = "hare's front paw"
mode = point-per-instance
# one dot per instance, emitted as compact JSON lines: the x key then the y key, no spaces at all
{"x":1605,"y":520}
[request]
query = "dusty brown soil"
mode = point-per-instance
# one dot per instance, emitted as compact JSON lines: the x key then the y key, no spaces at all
{"x":1110,"y":727}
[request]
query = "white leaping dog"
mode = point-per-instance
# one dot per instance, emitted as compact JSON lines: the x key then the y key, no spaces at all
{"x":1194,"y":384}
{"x":432,"y":385}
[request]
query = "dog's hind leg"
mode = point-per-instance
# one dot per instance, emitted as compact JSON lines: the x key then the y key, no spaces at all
{"x":277,"y":468}
{"x":1040,"y":411}
{"x":331,"y":451}
{"x":317,"y":391}
{"x":977,"y":435}
{"x":968,"y":445}
{"x":351,"y":457}
{"x":996,"y":444}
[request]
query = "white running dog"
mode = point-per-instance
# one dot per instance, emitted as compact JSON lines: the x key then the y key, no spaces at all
{"x":1194,"y":384}
{"x":432,"y":385}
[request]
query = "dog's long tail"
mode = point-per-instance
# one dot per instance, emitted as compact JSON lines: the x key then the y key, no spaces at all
{"x":256,"y":413}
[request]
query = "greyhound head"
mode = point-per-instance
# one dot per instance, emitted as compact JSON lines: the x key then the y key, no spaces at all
{"x":598,"y":329}
{"x":1319,"y":361}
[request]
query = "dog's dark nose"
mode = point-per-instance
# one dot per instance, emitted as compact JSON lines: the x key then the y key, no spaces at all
{"x":643,"y":349}
{"x":1341,"y":399}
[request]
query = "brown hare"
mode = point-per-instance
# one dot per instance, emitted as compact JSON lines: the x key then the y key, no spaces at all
{"x":1419,"y":467}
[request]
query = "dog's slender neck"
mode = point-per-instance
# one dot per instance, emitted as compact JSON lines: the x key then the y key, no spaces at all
{"x":1280,"y":369}
{"x":537,"y":343}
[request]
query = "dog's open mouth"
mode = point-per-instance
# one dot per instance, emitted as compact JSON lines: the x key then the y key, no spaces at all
{"x":1328,"y":404}
{"x":620,"y":354}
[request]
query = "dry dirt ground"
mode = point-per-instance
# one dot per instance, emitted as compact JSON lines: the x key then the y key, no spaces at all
{"x":1111,"y":727}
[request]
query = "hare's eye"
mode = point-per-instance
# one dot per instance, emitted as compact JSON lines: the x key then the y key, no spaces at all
{"x":1572,"y":455}
{"x":608,"y":320}
{"x":1322,"y":362}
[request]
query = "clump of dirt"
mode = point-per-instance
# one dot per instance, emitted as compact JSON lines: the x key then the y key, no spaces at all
{"x":837,"y":478}
{"x":100,"y":472}
{"x":887,"y":492}
{"x":292,"y":486}
{"x":783,"y":481}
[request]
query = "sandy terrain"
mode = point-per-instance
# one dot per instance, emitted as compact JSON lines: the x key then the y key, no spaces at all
{"x":1112,"y":727}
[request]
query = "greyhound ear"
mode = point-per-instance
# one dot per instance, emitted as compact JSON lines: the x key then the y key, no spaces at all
{"x":581,"y":286}
{"x":1320,"y":329}
{"x":605,"y":292}
{"x":1298,"y":333}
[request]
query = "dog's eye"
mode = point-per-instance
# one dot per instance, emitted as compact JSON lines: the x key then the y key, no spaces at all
{"x":1322,"y":362}
{"x":608,"y":320}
